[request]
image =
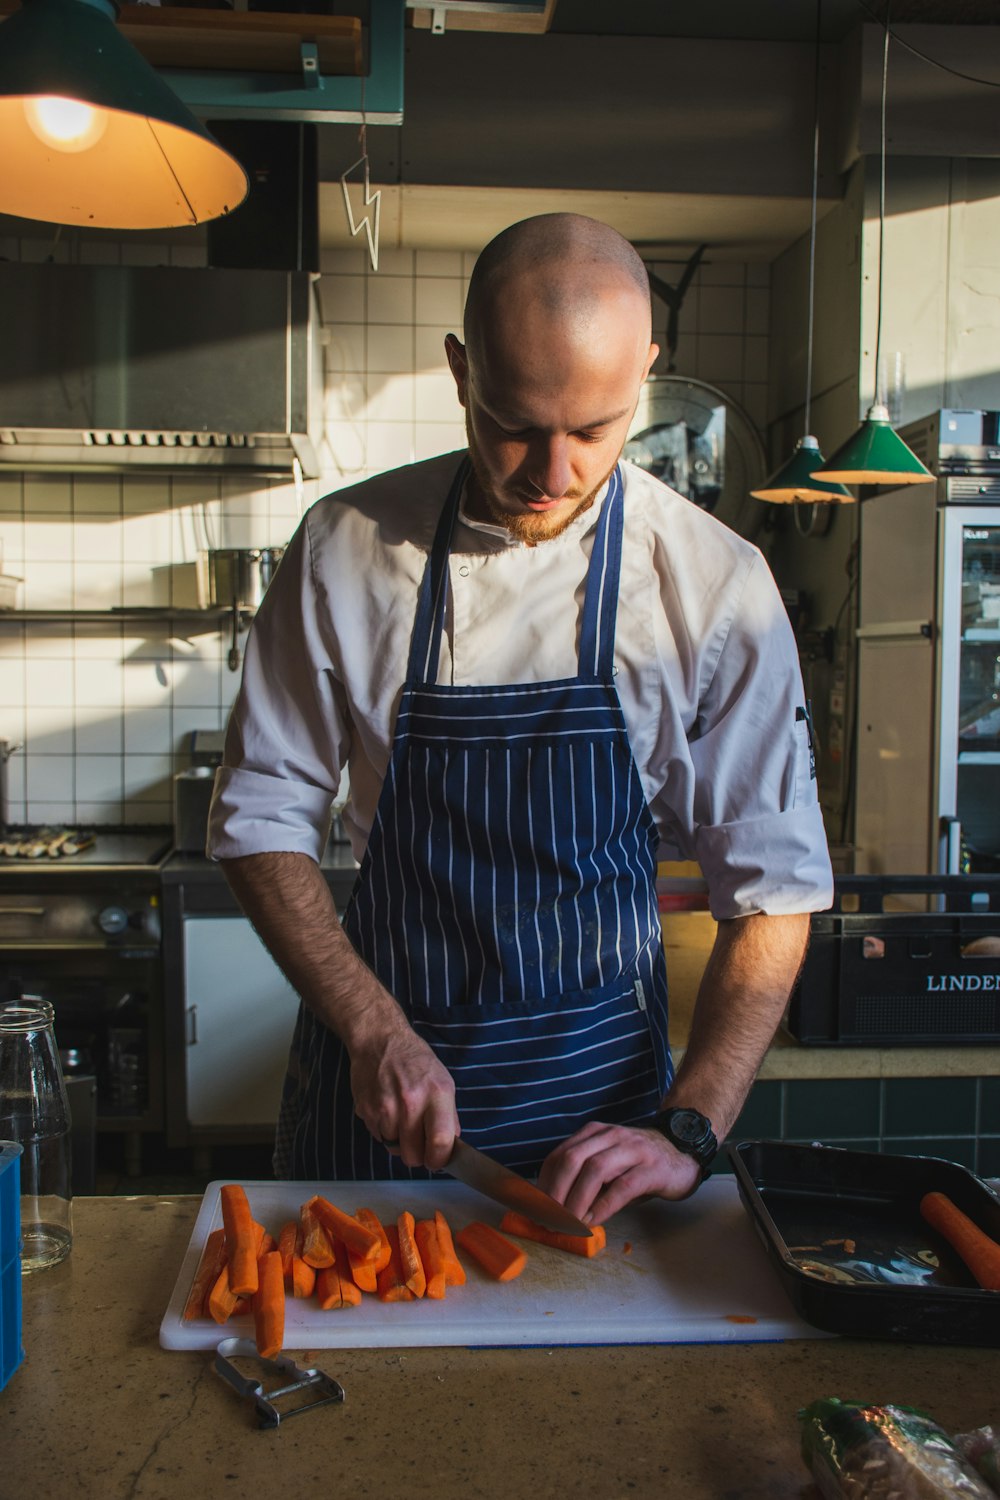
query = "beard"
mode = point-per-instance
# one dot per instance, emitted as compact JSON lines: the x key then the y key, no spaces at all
{"x":529,"y":527}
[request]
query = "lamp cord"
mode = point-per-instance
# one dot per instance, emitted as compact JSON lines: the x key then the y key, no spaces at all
{"x":812,"y":220}
{"x":881,"y":204}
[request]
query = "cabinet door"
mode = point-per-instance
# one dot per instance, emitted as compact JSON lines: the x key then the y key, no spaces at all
{"x":240,"y":1014}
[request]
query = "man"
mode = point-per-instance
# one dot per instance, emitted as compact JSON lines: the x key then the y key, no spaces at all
{"x":535,"y":663}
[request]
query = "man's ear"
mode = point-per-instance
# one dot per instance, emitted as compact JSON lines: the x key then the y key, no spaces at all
{"x":458,"y":363}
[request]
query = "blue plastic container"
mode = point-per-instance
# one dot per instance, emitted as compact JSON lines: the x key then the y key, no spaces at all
{"x":11,"y":1352}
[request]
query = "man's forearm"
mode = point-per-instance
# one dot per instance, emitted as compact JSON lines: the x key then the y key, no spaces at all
{"x":287,"y":899}
{"x":744,"y":989}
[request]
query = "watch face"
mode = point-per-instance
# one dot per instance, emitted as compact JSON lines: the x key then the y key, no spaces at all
{"x":688,"y":1125}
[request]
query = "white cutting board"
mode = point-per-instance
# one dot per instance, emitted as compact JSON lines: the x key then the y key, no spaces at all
{"x":695,"y":1274}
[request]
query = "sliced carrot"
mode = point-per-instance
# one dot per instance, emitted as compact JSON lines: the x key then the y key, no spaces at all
{"x":391,"y":1281}
{"x":287,"y":1237}
{"x":435,"y":1267}
{"x":269,"y":1306}
{"x":303,"y":1277}
{"x":267,"y":1244}
{"x":317,"y":1248}
{"x":498,"y":1257}
{"x":213,"y":1258}
{"x":241,"y":1238}
{"x":363,"y":1272}
{"x":222,"y":1299}
{"x":409,"y":1255}
{"x":335,"y":1286}
{"x":372,"y":1221}
{"x":576,"y":1244}
{"x":454,"y":1270}
{"x":979,"y":1252}
{"x":341,"y":1226}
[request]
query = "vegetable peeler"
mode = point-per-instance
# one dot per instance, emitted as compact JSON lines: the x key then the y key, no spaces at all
{"x":268,"y":1415}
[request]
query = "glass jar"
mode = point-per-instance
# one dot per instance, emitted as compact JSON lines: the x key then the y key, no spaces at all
{"x":34,"y":1111}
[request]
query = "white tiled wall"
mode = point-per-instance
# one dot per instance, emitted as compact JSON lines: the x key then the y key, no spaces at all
{"x":102,"y":710}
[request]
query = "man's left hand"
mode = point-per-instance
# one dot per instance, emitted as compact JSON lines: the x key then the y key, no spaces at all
{"x":600,"y":1169}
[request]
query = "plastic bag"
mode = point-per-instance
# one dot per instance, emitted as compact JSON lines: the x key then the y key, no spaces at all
{"x":877,"y":1452}
{"x":981,"y":1448}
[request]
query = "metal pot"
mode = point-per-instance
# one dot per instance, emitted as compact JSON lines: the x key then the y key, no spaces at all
{"x":237,"y":577}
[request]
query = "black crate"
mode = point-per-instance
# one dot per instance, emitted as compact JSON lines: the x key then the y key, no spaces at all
{"x":913,"y":960}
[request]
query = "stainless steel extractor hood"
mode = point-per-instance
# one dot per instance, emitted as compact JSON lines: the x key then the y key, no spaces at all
{"x":163,"y":368}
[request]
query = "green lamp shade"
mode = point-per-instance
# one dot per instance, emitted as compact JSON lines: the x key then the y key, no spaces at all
{"x":794,"y":482}
{"x":876,"y":454}
{"x":91,"y":133}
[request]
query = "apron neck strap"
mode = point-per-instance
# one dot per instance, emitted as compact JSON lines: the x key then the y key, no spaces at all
{"x":600,"y":605}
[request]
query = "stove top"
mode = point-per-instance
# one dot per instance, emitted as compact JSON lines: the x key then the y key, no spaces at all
{"x":100,"y":847}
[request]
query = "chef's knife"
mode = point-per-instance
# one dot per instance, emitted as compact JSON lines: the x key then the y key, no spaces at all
{"x":512,"y":1191}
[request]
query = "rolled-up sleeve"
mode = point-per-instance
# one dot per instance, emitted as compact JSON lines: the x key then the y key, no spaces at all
{"x":288,"y":737}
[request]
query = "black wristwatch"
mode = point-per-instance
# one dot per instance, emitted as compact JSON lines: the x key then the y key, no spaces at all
{"x":691,"y":1133}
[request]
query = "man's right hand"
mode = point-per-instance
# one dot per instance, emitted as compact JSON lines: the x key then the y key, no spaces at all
{"x":405,"y":1095}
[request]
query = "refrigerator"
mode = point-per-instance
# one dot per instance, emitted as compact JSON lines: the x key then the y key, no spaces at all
{"x":927,"y":742}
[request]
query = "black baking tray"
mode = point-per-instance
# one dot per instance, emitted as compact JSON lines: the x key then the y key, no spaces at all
{"x":883,"y":1273}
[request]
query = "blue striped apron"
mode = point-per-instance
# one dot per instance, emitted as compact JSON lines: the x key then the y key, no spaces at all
{"x":507,"y":899}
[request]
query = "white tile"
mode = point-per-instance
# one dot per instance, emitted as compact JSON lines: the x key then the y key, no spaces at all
{"x":195,"y":254}
{"x":755,"y":404}
{"x":48,"y":541}
{"x":720,"y":272}
{"x":720,"y":310}
{"x":50,"y":814}
{"x":143,"y":586}
{"x":99,"y":641}
{"x":147,"y":684}
{"x":389,"y":348}
{"x":429,"y":347}
{"x":391,"y":262}
{"x":758,"y":273}
{"x":144,"y":253}
{"x":390,"y":299}
{"x":48,"y":585}
{"x":97,"y":683}
{"x":11,"y":545}
{"x":758,"y":309}
{"x":96,"y":495}
{"x":98,"y":543}
{"x":94,"y":814}
{"x":346,"y":443}
{"x":344,"y":401}
{"x":437,"y":398}
{"x":48,"y":731}
{"x":142,"y":643}
{"x":438,"y":437}
{"x":439,"y":302}
{"x":11,"y":495}
{"x":147,"y":731}
{"x":47,"y":492}
{"x":50,"y":640}
{"x":99,"y":253}
{"x":343,"y":262}
{"x":99,"y":778}
{"x":196,"y":684}
{"x":146,"y":538}
{"x":49,"y":684}
{"x":12,"y":689}
{"x":148,"y":777}
{"x":439,"y":263}
{"x":192,"y":490}
{"x":144,"y":494}
{"x":150,"y":809}
{"x":344,"y":352}
{"x":720,"y":357}
{"x":15,"y":770}
{"x":755,"y":352}
{"x":49,"y":778}
{"x":390,"y":398}
{"x":342,"y":299}
{"x":187,"y":720}
{"x":390,"y":444}
{"x":98,"y":732}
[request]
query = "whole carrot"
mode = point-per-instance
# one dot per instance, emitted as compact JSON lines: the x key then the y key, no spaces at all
{"x":979,"y":1252}
{"x":213,"y":1258}
{"x":498,"y":1257}
{"x":454,"y":1270}
{"x":269,"y":1306}
{"x":576,"y":1244}
{"x":241,"y":1238}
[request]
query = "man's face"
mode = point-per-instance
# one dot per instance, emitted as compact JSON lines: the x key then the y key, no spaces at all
{"x":548,"y":401}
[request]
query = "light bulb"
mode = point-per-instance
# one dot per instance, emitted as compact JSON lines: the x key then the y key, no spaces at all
{"x":66,"y":124}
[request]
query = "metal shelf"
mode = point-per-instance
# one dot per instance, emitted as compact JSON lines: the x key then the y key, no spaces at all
{"x":126,"y":615}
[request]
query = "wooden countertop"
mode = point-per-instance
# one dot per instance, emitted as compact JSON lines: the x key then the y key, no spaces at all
{"x":99,"y":1411}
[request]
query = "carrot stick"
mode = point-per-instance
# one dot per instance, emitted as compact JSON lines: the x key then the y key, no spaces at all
{"x":435,"y":1266}
{"x":241,"y":1238}
{"x":222,"y":1299}
{"x":213,"y":1258}
{"x":303,"y":1277}
{"x":391,"y":1282}
{"x":373,"y":1222}
{"x":497,"y":1256}
{"x":287,"y":1237}
{"x":317,"y":1249}
{"x":979,"y":1252}
{"x":267,"y":1244}
{"x":365,"y":1242}
{"x":576,"y":1244}
{"x":269,"y":1306}
{"x":454,"y":1270}
{"x":363,"y":1272}
{"x":335,"y":1286}
{"x":409,"y":1255}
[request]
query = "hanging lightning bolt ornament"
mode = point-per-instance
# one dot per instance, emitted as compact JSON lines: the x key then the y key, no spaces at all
{"x":369,"y":219}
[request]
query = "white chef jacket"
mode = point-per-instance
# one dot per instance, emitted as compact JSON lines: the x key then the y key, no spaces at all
{"x":706,"y":670}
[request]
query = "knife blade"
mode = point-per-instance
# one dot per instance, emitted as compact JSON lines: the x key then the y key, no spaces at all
{"x":511,"y":1190}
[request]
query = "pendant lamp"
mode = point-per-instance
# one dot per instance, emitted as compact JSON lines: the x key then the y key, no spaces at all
{"x":794,"y":482}
{"x":91,"y":133}
{"x":876,"y":454}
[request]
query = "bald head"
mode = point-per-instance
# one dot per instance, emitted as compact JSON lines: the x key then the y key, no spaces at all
{"x":559,"y":266}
